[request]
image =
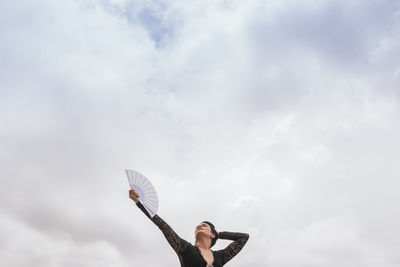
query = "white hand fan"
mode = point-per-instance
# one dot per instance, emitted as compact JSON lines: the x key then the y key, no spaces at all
{"x":147,"y":193}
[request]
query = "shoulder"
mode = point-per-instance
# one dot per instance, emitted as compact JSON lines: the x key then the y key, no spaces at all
{"x":218,"y":257}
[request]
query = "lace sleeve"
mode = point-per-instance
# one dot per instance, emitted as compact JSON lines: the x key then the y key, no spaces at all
{"x":230,"y":251}
{"x":178,"y":244}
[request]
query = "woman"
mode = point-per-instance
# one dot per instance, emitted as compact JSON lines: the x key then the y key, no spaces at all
{"x":199,"y":255}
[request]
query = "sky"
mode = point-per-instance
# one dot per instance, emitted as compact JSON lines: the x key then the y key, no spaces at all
{"x":280,"y":119}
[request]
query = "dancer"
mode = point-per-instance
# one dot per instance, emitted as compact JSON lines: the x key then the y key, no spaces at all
{"x":199,"y":255}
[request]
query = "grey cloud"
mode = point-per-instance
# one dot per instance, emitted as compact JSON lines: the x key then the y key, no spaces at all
{"x":337,"y":31}
{"x":262,"y":126}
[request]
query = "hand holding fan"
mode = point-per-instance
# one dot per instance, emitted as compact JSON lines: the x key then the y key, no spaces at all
{"x":147,"y":193}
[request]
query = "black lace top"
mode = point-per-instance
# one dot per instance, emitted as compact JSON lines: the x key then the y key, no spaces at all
{"x":189,"y":255}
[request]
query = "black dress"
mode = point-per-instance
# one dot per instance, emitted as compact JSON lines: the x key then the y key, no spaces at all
{"x":189,"y":255}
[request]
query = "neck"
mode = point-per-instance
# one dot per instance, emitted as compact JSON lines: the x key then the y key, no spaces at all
{"x":203,"y":243}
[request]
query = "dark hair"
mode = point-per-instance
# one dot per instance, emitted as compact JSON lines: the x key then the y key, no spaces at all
{"x":213,"y":240}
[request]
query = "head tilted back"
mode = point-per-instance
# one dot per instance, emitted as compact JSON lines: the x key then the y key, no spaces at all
{"x":213,"y":240}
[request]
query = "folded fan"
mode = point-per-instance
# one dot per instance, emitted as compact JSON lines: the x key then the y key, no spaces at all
{"x":147,"y":193}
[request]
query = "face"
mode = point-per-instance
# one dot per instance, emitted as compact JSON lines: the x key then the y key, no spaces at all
{"x":203,"y":228}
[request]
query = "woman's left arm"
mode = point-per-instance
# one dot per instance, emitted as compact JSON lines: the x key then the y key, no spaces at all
{"x":239,"y":239}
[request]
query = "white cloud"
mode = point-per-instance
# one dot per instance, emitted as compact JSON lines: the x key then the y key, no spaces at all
{"x":22,"y":245}
{"x":279,"y":119}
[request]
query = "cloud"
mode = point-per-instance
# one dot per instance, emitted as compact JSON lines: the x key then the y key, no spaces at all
{"x":35,"y":247}
{"x":279,"y":119}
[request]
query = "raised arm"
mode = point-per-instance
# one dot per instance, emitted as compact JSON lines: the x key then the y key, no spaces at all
{"x":178,"y":244}
{"x":239,"y":239}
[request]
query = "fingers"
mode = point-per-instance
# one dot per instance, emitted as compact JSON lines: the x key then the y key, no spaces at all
{"x":133,"y":194}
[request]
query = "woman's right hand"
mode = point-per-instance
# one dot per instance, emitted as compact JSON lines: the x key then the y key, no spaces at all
{"x":133,"y":195}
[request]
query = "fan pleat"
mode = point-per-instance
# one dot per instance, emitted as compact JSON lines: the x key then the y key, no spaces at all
{"x":144,"y":188}
{"x":141,"y":181}
{"x":149,"y":201}
{"x":147,"y":187}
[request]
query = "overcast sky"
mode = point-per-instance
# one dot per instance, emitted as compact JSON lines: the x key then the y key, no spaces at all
{"x":276,"y":118}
